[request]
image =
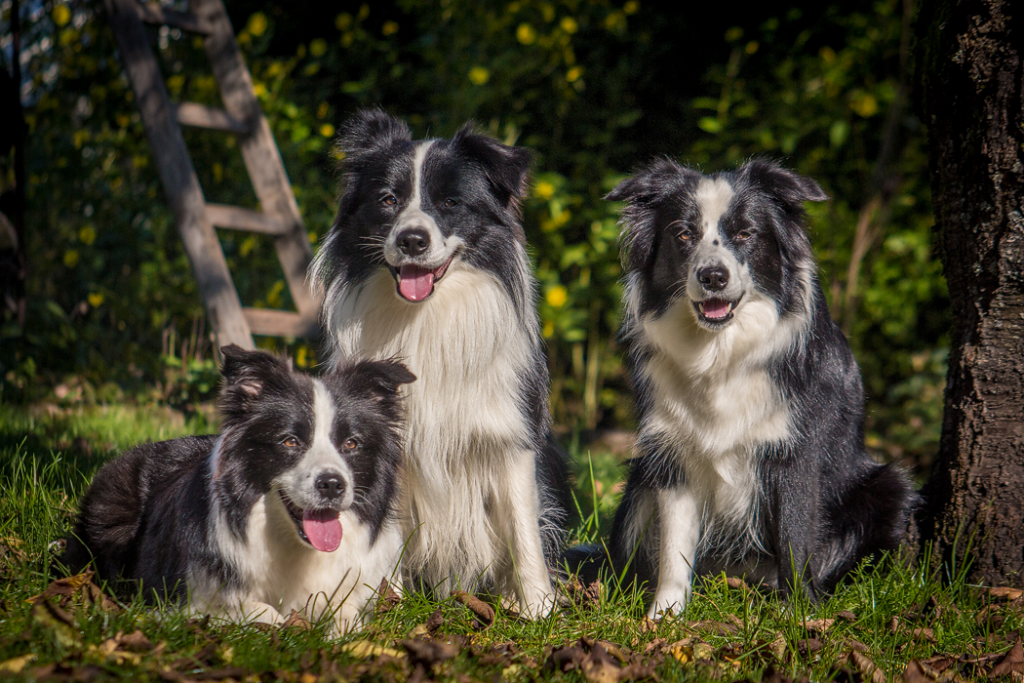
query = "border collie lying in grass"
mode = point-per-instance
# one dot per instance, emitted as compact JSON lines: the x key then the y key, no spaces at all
{"x":750,"y":456}
{"x":427,"y":262}
{"x":290,"y":507}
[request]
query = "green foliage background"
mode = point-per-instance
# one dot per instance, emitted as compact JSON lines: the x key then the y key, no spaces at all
{"x":594,"y":87}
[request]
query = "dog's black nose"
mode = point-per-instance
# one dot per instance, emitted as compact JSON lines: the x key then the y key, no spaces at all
{"x":330,"y":485}
{"x":713,"y":278}
{"x":413,"y":242}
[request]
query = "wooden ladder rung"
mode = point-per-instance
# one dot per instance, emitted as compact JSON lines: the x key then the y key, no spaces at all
{"x":152,"y":13}
{"x":201,"y":116}
{"x":238,"y":218}
{"x":275,"y":323}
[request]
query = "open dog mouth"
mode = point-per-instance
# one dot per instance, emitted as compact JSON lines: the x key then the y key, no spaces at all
{"x":319,"y":528}
{"x":416,"y":283}
{"x":715,"y":312}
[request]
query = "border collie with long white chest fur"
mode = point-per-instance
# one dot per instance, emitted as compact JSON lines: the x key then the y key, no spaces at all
{"x":750,"y":456}
{"x":427,"y":262}
{"x":290,"y":507}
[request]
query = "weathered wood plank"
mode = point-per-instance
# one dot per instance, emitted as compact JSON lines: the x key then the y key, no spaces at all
{"x":280,"y":323}
{"x":239,"y":218}
{"x":152,"y":13}
{"x":259,"y":151}
{"x":201,"y":116}
{"x":181,"y":185}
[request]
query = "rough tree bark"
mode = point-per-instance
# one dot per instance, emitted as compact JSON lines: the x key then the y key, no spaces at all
{"x":971,"y":79}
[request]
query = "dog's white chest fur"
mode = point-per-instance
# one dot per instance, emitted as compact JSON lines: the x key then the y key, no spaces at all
{"x":466,"y":436}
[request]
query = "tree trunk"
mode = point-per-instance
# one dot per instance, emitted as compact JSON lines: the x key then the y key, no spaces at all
{"x":971,"y":79}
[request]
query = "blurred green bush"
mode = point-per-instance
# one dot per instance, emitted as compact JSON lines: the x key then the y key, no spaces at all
{"x":595,"y":88}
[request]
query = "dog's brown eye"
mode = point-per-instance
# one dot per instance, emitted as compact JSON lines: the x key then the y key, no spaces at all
{"x":685,"y":234}
{"x":389,"y":200}
{"x":350,"y":445}
{"x":291,"y":442}
{"x":449,"y":203}
{"x":743,"y":235}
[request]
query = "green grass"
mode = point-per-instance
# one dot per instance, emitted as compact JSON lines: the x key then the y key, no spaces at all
{"x":728,"y":632}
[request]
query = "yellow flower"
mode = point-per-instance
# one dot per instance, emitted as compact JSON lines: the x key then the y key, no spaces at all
{"x":478,"y":75}
{"x":61,"y":15}
{"x":866,"y":105}
{"x":569,"y":25}
{"x":95,"y":299}
{"x":631,"y":7}
{"x":343,"y":21}
{"x":574,"y":74}
{"x":526,"y":34}
{"x":87,"y":235}
{"x":71,"y":258}
{"x":544,"y":190}
{"x":318,"y":47}
{"x":389,"y":28}
{"x":752,"y":47}
{"x":557,"y":296}
{"x":257,"y":25}
{"x":327,"y":130}
{"x":549,"y":331}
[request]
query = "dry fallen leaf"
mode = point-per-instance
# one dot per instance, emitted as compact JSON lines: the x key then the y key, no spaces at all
{"x":867,"y":667}
{"x":483,"y":611}
{"x":916,"y":673}
{"x":1012,"y":664}
{"x":364,"y":649}
{"x":297,"y":621}
{"x":388,"y":597}
{"x":15,"y":665}
{"x":778,"y":646}
{"x":819,"y":625}
{"x":1005,"y":592}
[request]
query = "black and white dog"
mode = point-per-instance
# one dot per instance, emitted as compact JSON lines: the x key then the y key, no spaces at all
{"x":750,"y":456}
{"x":427,"y":262}
{"x":290,"y":507}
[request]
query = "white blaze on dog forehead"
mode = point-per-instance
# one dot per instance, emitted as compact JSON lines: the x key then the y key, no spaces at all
{"x":415,"y":205}
{"x":713,"y":196}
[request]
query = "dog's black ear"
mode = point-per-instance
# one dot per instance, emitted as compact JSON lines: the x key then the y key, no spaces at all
{"x":370,"y":130}
{"x":246,"y":371}
{"x":642,"y":192}
{"x":382,"y":376}
{"x":790,"y":189}
{"x":506,"y":167}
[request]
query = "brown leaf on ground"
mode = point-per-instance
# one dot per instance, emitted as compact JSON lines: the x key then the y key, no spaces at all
{"x":847,"y":615}
{"x":736,"y":583}
{"x":388,"y":598}
{"x":565,"y":659}
{"x":778,"y":646}
{"x":894,"y":624}
{"x":429,"y":652}
{"x":855,"y":645}
{"x":808,"y":646}
{"x":1005,"y":592}
{"x":135,"y":641}
{"x":867,"y":668}
{"x":1012,"y":664}
{"x":65,"y":588}
{"x":939,"y":663}
{"x":297,"y":621}
{"x":818,"y":625}
{"x":717,"y":627}
{"x":483,"y":611}
{"x":600,"y":666}
{"x":583,"y":596}
{"x":648,"y":625}
{"x":916,"y":673}
{"x":924,"y":634}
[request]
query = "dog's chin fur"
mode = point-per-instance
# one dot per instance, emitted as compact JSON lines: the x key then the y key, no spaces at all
{"x":484,"y":487}
{"x":750,"y":456}
{"x":202,"y":520}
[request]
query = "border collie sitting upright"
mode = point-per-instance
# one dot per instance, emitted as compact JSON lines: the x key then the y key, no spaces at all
{"x":427,"y":262}
{"x":751,"y":452}
{"x":290,"y":507}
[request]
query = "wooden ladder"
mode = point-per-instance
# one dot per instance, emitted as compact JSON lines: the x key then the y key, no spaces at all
{"x":194,"y":216}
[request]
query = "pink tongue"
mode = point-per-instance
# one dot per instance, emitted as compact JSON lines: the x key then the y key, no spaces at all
{"x":322,"y":528}
{"x":715,"y":308}
{"x":415,"y":284}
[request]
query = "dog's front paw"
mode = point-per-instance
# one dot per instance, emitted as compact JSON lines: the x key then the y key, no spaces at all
{"x":538,"y":606}
{"x":668,"y":602}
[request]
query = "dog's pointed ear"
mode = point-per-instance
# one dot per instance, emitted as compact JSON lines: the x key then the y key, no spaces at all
{"x":507,"y":168}
{"x":790,"y":189}
{"x":370,"y":130}
{"x":641,"y":193}
{"x":383,"y":377}
{"x":245,"y":372}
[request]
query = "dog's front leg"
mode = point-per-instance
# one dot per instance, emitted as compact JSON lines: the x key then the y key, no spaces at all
{"x":522,"y":513}
{"x":251,"y":611}
{"x":678,"y":534}
{"x":794,"y":522}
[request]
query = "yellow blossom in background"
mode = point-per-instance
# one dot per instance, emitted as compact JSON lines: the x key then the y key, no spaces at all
{"x":827,"y":54}
{"x":752,"y":47}
{"x":71,"y":258}
{"x":549,"y":329}
{"x":61,"y":15}
{"x":735,"y":33}
{"x":574,"y":74}
{"x":866,"y":105}
{"x":479,"y":75}
{"x":259,"y":89}
{"x":257,"y":25}
{"x":557,"y":296}
{"x":569,"y":25}
{"x":321,"y":111}
{"x":87,"y":235}
{"x":95,"y":299}
{"x":312,"y":237}
{"x":343,"y":21}
{"x":327,"y":130}
{"x":631,"y":7}
{"x":301,"y":357}
{"x":389,"y":28}
{"x":364,"y":11}
{"x":544,"y":190}
{"x":526,"y":34}
{"x":318,"y":47}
